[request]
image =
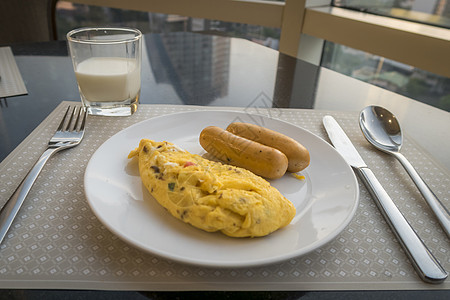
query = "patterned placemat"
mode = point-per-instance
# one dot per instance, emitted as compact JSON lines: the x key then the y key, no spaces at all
{"x":57,"y":242}
{"x":11,"y":83}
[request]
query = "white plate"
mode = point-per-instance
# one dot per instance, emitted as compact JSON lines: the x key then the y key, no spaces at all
{"x":325,"y":201}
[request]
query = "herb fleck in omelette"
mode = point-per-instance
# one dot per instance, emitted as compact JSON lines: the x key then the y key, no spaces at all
{"x":210,"y":195}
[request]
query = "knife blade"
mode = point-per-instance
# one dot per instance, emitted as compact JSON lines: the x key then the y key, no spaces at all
{"x":425,"y":264}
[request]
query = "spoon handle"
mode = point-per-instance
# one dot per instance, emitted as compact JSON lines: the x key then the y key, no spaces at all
{"x":426,"y":265}
{"x":435,"y":204}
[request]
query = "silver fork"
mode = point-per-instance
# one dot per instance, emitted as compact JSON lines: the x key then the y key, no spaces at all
{"x":69,"y":134}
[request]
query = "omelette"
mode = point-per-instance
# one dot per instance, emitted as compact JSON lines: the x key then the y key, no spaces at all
{"x":210,"y":195}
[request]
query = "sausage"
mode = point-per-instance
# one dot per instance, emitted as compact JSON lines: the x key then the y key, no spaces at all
{"x":297,"y":154}
{"x":260,"y":159}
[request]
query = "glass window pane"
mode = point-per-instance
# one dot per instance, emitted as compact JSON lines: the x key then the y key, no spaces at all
{"x":397,"y":77}
{"x":432,"y":12}
{"x":71,"y":15}
{"x":403,"y":79}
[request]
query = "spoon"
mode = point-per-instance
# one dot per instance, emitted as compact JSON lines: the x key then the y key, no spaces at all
{"x":381,"y":129}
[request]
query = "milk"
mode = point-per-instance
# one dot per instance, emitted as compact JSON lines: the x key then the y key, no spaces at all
{"x":108,"y":79}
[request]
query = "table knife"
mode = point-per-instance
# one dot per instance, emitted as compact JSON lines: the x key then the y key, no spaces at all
{"x":426,"y":265}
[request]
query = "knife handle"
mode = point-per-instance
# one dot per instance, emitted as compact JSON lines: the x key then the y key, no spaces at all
{"x":426,"y":265}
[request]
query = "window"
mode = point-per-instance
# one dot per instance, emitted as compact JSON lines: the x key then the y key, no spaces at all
{"x":400,"y":78}
{"x":392,"y":75}
{"x":411,"y":82}
{"x":431,"y":12}
{"x":71,"y":15}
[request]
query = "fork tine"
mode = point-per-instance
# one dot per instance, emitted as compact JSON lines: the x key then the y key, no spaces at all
{"x":81,"y":118}
{"x":75,"y":126}
{"x":76,"y":116}
{"x":61,"y":125}
{"x":69,"y":124}
{"x":84,"y":118}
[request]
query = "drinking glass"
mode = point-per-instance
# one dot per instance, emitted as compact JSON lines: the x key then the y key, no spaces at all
{"x":107,"y":65}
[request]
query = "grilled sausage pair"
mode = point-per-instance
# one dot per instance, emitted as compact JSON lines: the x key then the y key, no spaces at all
{"x":263,"y":151}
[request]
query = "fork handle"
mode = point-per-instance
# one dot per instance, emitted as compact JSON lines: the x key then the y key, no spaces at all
{"x":12,"y":206}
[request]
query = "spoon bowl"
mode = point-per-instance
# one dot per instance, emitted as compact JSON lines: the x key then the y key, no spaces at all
{"x":382,"y":129}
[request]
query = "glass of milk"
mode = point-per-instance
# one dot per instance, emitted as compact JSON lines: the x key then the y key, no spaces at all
{"x":107,"y":64}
